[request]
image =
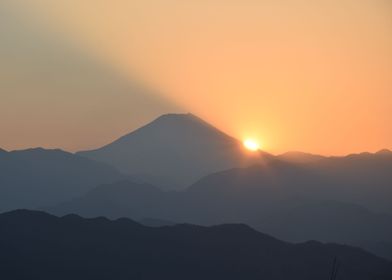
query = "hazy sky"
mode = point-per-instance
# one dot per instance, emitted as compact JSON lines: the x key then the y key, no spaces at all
{"x":302,"y":75}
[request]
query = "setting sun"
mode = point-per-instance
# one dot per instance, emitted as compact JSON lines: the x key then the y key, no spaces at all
{"x":251,"y":145}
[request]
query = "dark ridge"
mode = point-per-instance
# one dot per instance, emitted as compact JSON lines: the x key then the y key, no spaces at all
{"x":26,"y":213}
{"x":35,"y":245}
{"x":23,"y":215}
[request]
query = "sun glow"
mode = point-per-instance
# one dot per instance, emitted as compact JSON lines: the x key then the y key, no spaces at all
{"x":251,"y":145}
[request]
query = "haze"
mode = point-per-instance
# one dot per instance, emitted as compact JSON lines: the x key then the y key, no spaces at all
{"x":313,"y":76}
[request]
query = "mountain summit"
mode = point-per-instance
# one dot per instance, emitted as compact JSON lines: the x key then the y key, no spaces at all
{"x":174,"y":151}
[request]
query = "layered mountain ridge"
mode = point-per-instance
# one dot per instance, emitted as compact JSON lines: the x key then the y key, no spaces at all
{"x":36,"y":245}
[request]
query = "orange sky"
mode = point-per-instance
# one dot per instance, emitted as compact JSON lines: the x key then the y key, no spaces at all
{"x":314,"y":76}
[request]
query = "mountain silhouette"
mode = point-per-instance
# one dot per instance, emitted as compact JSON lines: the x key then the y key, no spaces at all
{"x":174,"y":151}
{"x":36,"y":177}
{"x":36,"y":245}
{"x":333,"y":200}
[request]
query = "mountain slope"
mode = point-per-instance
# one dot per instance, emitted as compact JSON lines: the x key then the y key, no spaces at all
{"x":174,"y":151}
{"x":37,"y":177}
{"x":35,"y":245}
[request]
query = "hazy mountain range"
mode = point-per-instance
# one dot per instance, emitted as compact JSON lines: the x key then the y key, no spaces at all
{"x":286,"y":216}
{"x":36,"y":177}
{"x":35,"y":245}
{"x":294,"y":196}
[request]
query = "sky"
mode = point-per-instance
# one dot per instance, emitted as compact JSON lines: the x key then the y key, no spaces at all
{"x":313,"y":76}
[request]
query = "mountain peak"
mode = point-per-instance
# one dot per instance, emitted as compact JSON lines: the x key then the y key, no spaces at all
{"x":173,"y":151}
{"x":182,"y":118}
{"x":177,"y":116}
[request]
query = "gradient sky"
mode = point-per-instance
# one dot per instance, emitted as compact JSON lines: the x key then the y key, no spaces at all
{"x":314,"y":76}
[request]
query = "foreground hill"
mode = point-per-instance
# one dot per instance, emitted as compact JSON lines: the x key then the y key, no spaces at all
{"x":35,"y":245}
{"x":174,"y":151}
{"x":36,"y":177}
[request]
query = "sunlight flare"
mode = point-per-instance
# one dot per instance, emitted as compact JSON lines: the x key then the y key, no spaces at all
{"x":251,"y":144}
